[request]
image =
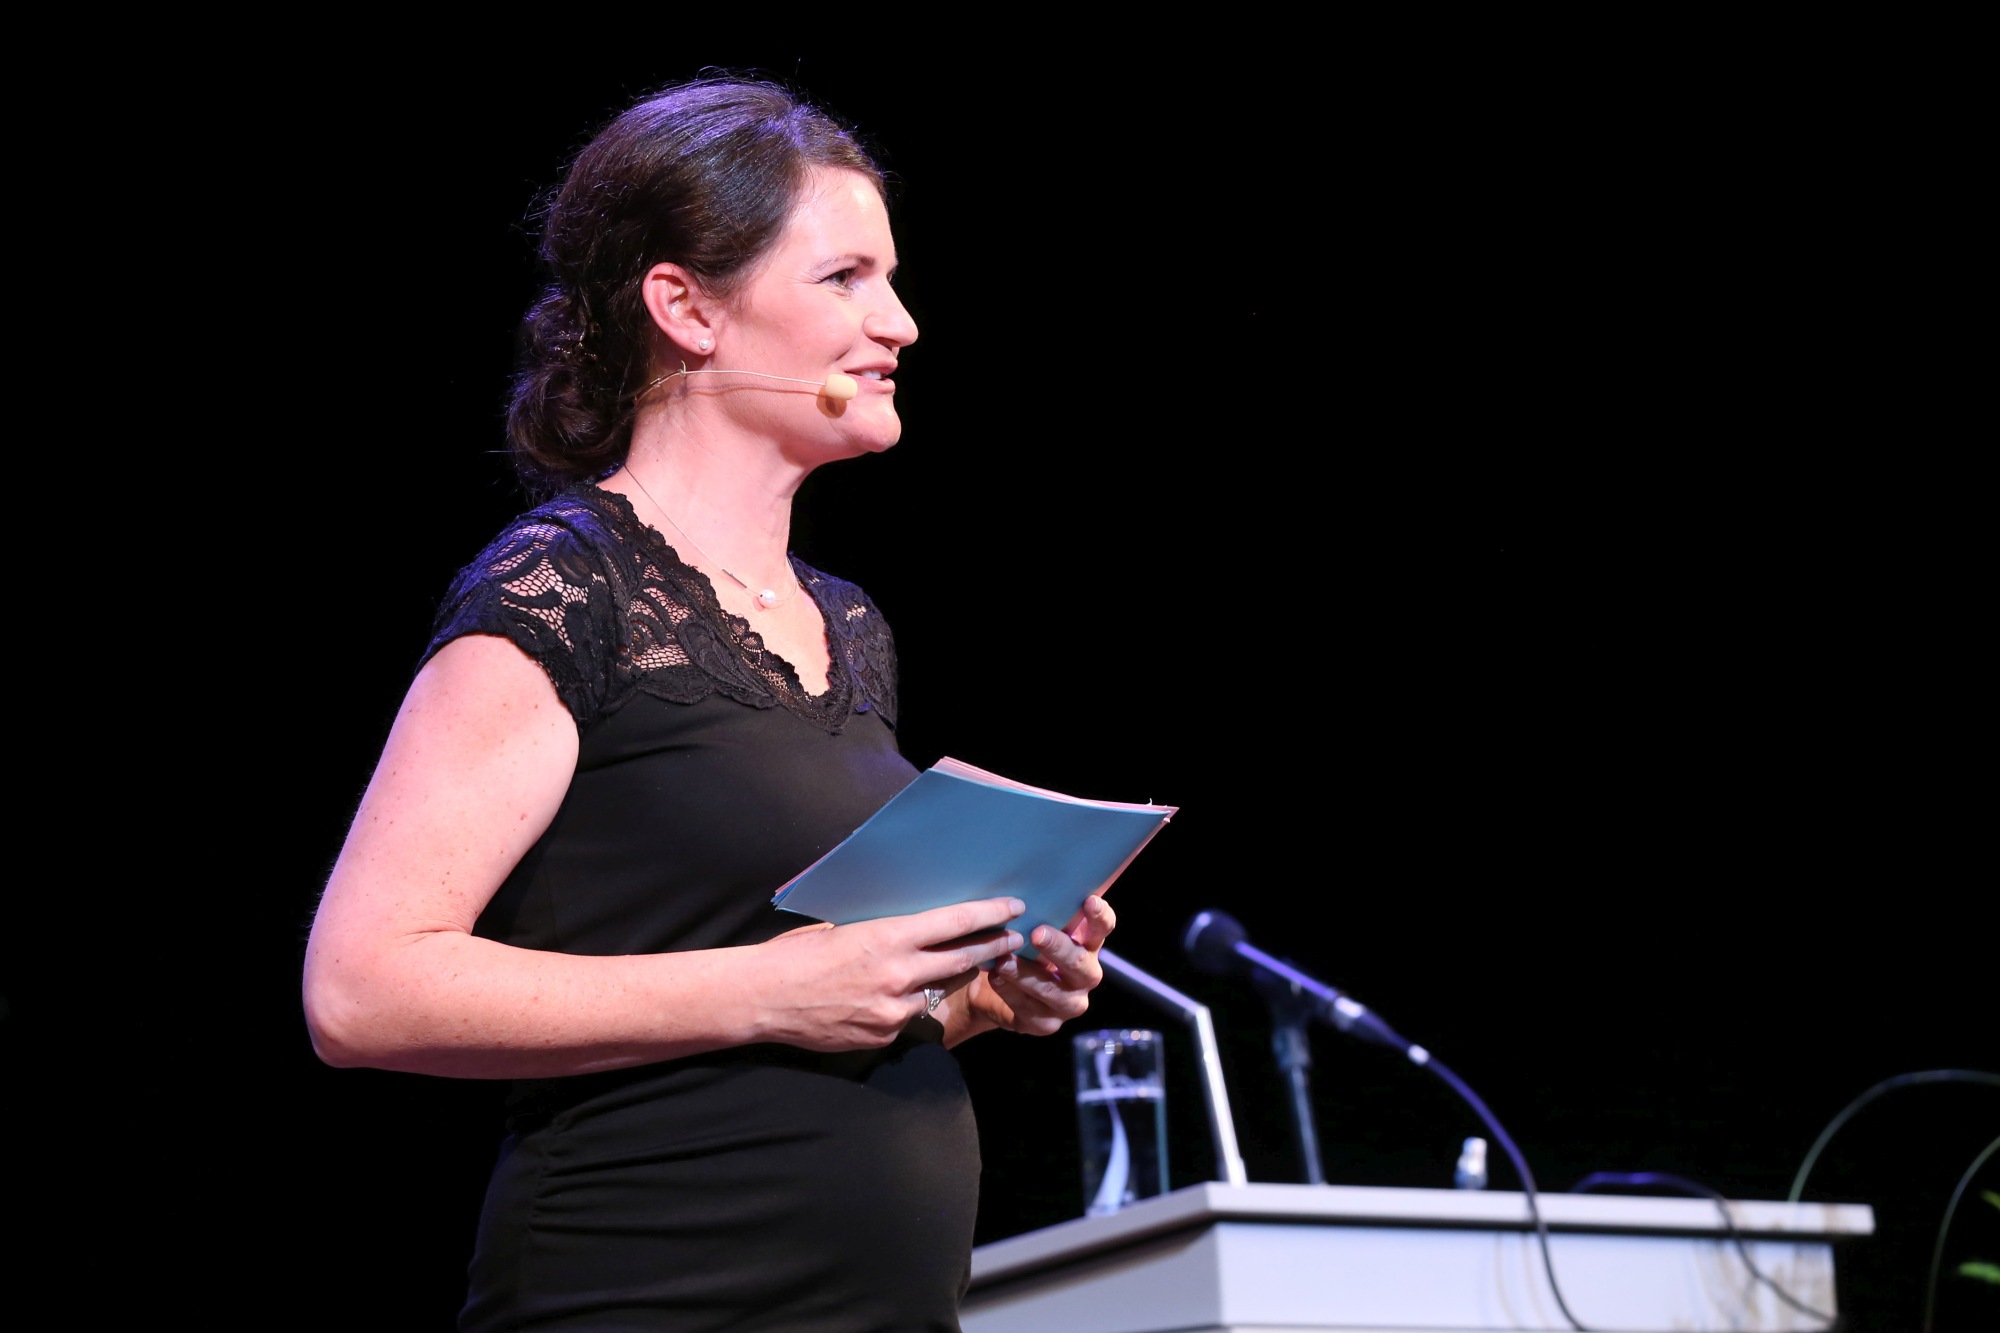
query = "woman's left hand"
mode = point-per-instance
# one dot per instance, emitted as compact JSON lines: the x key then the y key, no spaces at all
{"x":1035,"y":995}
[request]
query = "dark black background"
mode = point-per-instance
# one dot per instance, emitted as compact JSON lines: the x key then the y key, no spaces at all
{"x":1515,"y":510}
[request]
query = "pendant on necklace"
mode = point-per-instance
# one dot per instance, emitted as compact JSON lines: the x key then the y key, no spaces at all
{"x":767,"y":599}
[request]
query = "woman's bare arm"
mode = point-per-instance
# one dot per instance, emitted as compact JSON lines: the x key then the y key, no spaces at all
{"x":475,"y":767}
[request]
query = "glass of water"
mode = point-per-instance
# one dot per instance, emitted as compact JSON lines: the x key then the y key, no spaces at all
{"x":1121,"y":1116}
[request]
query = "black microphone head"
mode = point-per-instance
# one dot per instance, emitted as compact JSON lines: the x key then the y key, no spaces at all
{"x":1210,"y":943}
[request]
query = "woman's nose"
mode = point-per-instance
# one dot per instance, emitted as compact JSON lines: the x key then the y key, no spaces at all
{"x":890,"y":322}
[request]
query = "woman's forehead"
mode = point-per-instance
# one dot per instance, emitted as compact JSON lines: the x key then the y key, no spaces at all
{"x":840,"y":210}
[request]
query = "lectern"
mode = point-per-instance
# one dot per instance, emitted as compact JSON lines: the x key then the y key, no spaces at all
{"x":1257,"y":1258}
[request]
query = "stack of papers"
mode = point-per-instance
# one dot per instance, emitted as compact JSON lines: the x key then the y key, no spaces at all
{"x":959,"y":833}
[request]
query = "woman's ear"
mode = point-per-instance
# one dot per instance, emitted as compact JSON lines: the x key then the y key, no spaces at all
{"x":679,"y":309}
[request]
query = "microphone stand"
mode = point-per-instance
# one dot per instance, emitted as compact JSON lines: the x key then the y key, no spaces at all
{"x":1290,"y":1008}
{"x":1221,"y":1126}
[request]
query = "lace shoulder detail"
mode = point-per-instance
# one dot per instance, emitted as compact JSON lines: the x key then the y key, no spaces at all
{"x":859,"y":637}
{"x":609,"y":611}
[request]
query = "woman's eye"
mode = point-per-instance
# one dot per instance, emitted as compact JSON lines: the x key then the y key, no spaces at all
{"x":844,"y":278}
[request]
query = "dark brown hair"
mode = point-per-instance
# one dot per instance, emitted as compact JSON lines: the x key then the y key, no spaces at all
{"x":703,"y":174}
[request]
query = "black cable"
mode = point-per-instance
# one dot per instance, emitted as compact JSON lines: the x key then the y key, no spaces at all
{"x":1458,"y":1085}
{"x":1847,"y":1113}
{"x":1886,"y":1085}
{"x":1642,"y":1179}
{"x":1937,"y":1254}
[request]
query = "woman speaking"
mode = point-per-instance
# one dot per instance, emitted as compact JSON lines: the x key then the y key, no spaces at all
{"x":638,"y":716}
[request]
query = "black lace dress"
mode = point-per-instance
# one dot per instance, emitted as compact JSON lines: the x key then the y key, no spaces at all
{"x":763,"y":1187}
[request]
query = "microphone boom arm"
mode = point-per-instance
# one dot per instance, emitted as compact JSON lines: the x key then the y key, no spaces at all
{"x":1332,"y":1006}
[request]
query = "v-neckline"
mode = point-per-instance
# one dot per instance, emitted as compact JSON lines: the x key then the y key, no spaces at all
{"x":739,"y":628}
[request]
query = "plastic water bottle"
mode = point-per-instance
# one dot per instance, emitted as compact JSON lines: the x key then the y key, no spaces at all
{"x":1471,"y":1173}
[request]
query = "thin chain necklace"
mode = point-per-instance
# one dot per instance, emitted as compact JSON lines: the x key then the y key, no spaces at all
{"x":766,"y":597}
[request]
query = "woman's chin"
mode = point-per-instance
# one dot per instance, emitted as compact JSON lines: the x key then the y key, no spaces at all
{"x":880,"y":439}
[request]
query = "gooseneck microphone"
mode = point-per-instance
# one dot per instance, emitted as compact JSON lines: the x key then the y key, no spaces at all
{"x":838,"y":387}
{"x":1216,"y":944}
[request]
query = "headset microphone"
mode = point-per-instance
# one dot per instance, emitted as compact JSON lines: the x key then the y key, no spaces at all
{"x":837,"y":387}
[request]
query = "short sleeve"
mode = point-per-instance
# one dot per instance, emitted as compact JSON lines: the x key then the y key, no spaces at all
{"x":610,"y":612}
{"x":542,"y":587}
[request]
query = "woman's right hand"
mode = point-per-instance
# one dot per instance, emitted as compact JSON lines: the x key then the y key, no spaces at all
{"x":857,"y":986}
